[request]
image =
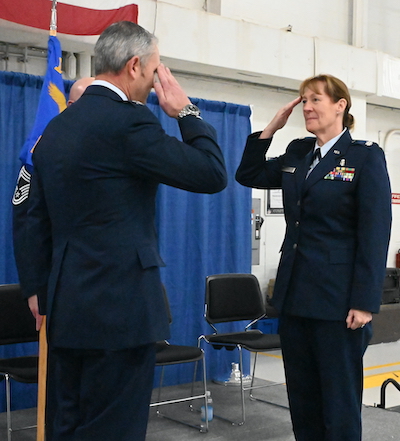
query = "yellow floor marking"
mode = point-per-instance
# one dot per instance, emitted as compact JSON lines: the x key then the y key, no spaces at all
{"x":370,"y":381}
{"x":382,"y":366}
{"x":377,"y":380}
{"x":266,"y":354}
{"x":271,"y":355}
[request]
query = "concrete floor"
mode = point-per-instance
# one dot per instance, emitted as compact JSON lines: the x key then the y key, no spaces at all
{"x":381,"y":361}
{"x":264,"y":422}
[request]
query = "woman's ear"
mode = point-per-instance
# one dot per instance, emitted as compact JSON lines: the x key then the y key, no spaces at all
{"x":342,"y":103}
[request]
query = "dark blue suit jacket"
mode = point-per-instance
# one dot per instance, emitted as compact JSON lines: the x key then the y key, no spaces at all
{"x":93,"y":245}
{"x":337,"y":224}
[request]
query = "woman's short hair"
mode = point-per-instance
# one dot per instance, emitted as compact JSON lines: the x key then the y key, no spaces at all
{"x":334,"y":88}
{"x":119,"y":43}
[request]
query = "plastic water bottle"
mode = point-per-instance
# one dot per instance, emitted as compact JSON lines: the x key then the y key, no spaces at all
{"x":210,"y":410}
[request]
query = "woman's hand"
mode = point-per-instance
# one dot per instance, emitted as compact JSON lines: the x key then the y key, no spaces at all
{"x":358,"y":319}
{"x":280,"y":119}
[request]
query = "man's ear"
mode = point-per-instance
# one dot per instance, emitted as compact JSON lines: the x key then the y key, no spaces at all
{"x":133,"y":66}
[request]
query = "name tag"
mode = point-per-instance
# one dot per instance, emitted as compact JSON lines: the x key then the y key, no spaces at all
{"x":289,"y":169}
{"x":341,"y":174}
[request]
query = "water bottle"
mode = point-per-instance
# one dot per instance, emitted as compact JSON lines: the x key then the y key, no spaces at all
{"x":210,"y":410}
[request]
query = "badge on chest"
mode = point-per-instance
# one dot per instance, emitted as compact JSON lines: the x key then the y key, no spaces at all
{"x":341,"y":174}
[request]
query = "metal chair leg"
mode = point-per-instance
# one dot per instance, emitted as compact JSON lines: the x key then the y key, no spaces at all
{"x":205,"y":426}
{"x":252,"y":387}
{"x":242,"y":398}
{"x":242,"y":389}
{"x":160,"y":386}
{"x":254,"y":374}
{"x":202,"y":427}
{"x":8,"y":405}
{"x":194,"y":378}
{"x":8,"y":410}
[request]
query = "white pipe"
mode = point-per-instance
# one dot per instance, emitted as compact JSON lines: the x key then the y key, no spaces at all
{"x":360,"y":23}
{"x":85,"y":65}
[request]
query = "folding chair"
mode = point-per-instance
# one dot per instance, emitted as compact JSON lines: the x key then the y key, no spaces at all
{"x":17,"y":325}
{"x":168,"y":354}
{"x":231,"y":298}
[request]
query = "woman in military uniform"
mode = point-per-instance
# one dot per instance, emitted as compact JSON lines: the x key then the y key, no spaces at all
{"x":337,"y":204}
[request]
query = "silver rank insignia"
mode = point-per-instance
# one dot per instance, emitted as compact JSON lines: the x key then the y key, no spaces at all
{"x":21,"y":192}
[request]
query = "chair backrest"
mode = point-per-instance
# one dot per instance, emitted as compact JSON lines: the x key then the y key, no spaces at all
{"x":167,"y":305}
{"x":233,"y":297}
{"x":17,"y":324}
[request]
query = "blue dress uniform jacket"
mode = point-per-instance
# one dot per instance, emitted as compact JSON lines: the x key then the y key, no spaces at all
{"x":338,"y":224}
{"x":93,"y":245}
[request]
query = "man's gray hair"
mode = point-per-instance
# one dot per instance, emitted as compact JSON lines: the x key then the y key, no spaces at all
{"x":119,"y":43}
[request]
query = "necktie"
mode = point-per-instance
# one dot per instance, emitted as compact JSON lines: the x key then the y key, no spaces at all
{"x":316,"y":155}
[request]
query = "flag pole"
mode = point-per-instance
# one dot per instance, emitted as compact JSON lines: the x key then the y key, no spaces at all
{"x":42,"y":380}
{"x":43,"y":349}
{"x":53,"y":20}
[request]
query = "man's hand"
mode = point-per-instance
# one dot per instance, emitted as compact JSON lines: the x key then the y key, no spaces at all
{"x":280,"y":119}
{"x":171,"y":96}
{"x":34,"y":307}
{"x":358,"y":319}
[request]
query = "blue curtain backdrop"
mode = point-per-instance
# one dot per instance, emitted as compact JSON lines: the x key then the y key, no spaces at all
{"x":204,"y":234}
{"x":199,"y":234}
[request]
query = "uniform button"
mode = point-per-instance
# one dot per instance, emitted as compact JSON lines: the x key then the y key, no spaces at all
{"x":298,"y":203}
{"x":297,"y":223}
{"x":295,"y":246}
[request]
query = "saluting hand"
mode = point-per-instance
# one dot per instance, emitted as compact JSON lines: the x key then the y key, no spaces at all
{"x":280,"y":119}
{"x":171,"y":96}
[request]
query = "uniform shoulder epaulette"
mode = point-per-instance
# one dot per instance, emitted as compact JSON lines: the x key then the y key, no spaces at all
{"x":364,"y":143}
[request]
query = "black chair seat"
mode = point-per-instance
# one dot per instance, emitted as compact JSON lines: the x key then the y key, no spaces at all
{"x":238,"y":298}
{"x":167,"y":354}
{"x":173,"y":354}
{"x":22,"y":369}
{"x":253,"y":340}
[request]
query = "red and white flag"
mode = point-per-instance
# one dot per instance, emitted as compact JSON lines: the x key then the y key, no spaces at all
{"x":71,"y":19}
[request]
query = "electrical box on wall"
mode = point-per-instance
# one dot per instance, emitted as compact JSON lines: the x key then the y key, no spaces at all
{"x":256,"y":224}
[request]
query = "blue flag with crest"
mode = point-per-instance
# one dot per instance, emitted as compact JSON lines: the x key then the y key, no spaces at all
{"x":51,"y":102}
